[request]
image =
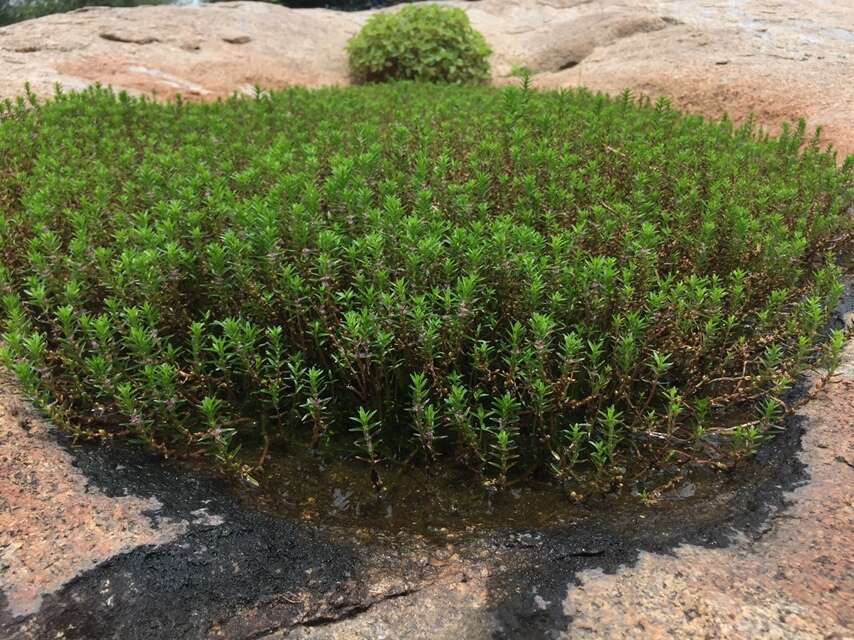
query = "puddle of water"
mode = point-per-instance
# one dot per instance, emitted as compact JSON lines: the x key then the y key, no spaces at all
{"x":446,"y":500}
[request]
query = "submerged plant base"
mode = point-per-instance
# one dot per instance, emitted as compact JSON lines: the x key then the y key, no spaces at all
{"x":443,"y":500}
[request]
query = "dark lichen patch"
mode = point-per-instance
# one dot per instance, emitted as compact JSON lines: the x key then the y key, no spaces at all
{"x":234,"y":569}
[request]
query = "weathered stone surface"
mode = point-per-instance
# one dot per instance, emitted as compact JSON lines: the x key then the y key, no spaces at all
{"x":795,"y":581}
{"x":780,"y":60}
{"x":53,"y":525}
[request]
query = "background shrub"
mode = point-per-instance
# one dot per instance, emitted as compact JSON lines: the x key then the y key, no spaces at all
{"x":422,"y":42}
{"x":524,"y":284}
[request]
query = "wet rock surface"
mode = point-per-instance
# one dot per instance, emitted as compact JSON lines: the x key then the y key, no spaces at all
{"x":226,"y":559}
{"x":54,"y":524}
{"x":789,"y":579}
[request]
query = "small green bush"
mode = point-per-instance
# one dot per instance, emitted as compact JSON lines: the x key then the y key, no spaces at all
{"x":523,"y":284}
{"x":425,"y":43}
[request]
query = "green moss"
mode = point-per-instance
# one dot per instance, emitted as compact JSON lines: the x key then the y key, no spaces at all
{"x":521,"y":283}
